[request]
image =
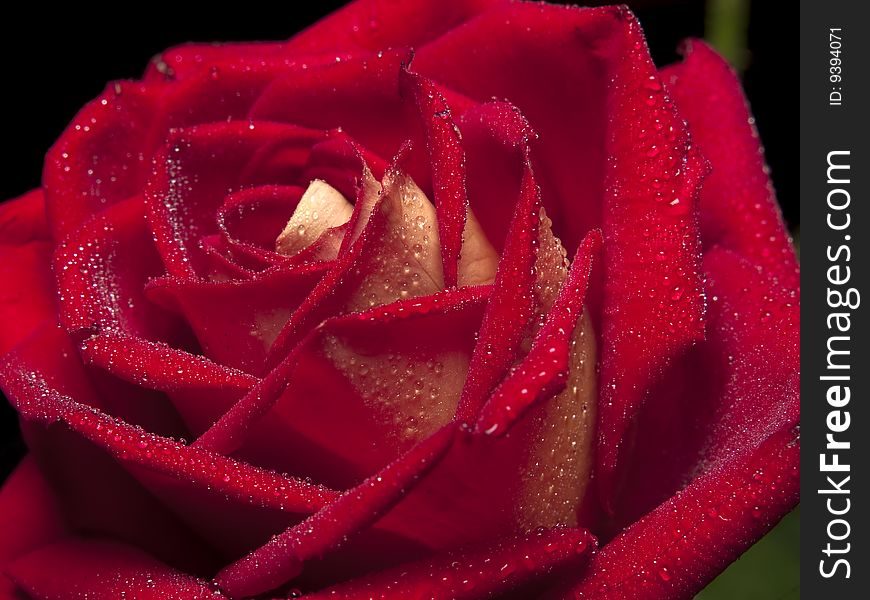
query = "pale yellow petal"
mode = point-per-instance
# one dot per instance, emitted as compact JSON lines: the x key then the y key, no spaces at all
{"x":320,"y":208}
{"x":478,"y":260}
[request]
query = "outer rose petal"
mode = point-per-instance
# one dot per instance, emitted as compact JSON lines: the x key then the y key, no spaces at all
{"x":29,"y":517}
{"x":749,"y":467}
{"x":80,"y":448}
{"x":550,"y":354}
{"x":377,"y":24}
{"x":23,"y":219}
{"x":683,"y":544}
{"x":176,"y":64}
{"x":101,"y":157}
{"x":491,"y":132}
{"x":27,"y":297}
{"x":102,"y":268}
{"x":738,"y":207}
{"x":102,"y":570}
{"x":476,"y":573}
{"x":282,"y":557}
{"x":653,"y":298}
{"x":550,"y":60}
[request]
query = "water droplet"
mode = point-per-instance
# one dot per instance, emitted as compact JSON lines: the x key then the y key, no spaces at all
{"x":653,"y":84}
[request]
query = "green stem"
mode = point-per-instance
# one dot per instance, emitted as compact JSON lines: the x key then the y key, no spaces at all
{"x":726,"y":29}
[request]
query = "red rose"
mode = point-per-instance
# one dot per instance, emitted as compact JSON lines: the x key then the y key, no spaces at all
{"x":294,"y":319}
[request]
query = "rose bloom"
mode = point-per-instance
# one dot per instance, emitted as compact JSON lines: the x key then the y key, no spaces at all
{"x":435,"y":300}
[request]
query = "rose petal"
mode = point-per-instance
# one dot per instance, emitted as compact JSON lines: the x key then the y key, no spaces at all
{"x":701,"y":410}
{"x":436,"y":513}
{"x":103,"y":570}
{"x":159,"y":366}
{"x":219,"y":262}
{"x":392,"y":252}
{"x":220,"y":88}
{"x":404,"y":258}
{"x":653,"y":299}
{"x":27,"y":299}
{"x":359,"y":94}
{"x":101,"y":271}
{"x":683,"y":544}
{"x":747,"y":446}
{"x":477,"y":573}
{"x":321,"y":207}
{"x":282,"y":557}
{"x":22,"y":219}
{"x":200,"y":390}
{"x":102,"y":156}
{"x":173,"y":471}
{"x":249,"y":221}
{"x":488,"y":487}
{"x":236,"y":322}
{"x":551,"y":63}
{"x":340,"y":161}
{"x":511,"y":305}
{"x":738,"y":206}
{"x":177,"y":63}
{"x":29,"y":517}
{"x":377,"y":24}
{"x":339,"y":373}
{"x":443,"y":142}
{"x":200,"y":165}
{"x":546,"y":369}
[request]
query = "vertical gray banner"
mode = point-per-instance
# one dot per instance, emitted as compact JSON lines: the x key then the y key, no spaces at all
{"x":834,"y":176}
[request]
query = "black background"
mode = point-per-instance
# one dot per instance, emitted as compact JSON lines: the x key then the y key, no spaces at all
{"x":52,"y":68}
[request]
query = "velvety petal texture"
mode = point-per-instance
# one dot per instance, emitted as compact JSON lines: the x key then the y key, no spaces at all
{"x":460,"y":299}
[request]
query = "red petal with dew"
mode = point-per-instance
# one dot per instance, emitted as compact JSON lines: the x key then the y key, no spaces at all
{"x":282,"y":558}
{"x":544,"y":370}
{"x":745,"y":476}
{"x":102,"y":157}
{"x":23,"y":220}
{"x":552,"y":63}
{"x":447,"y":159}
{"x":511,"y":305}
{"x":738,"y":206}
{"x":78,"y":569}
{"x":27,"y":297}
{"x":345,"y":373}
{"x":29,"y":517}
{"x":64,"y":425}
{"x":517,"y":565}
{"x":653,"y":297}
{"x":101,"y":271}
{"x":237,"y":321}
{"x":377,"y":24}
